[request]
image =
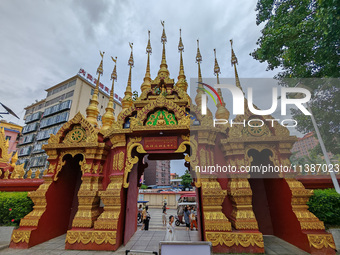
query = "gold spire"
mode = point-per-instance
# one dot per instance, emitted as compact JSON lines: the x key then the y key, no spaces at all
{"x":147,"y":79}
{"x":234,"y":62}
{"x":182,"y":83}
{"x":221,"y":112}
{"x":198,"y":97}
{"x":108,"y":116}
{"x":127,"y":100}
{"x":92,"y":110}
{"x":163,"y":71}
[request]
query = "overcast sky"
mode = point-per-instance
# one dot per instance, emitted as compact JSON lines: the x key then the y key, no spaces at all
{"x":46,"y":42}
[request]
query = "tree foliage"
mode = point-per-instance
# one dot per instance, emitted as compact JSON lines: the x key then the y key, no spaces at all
{"x":186,"y":179}
{"x":302,"y":38}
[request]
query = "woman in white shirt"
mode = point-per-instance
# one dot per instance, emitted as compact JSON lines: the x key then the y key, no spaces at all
{"x":170,"y":229}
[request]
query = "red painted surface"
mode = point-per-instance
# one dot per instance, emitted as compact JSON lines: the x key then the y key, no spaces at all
{"x":20,"y":184}
{"x":317,"y":182}
{"x":131,"y":205}
{"x":54,"y":222}
{"x":261,"y":206}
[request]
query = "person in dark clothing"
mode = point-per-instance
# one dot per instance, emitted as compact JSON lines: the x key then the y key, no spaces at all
{"x":187,"y":218}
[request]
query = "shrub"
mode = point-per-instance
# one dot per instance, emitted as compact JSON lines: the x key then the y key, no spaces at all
{"x":325,"y":204}
{"x":13,"y":207}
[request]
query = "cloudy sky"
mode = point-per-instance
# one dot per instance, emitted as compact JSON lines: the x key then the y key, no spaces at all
{"x":45,"y":42}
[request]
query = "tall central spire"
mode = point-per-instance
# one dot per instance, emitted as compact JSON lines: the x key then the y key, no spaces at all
{"x":221,"y":112}
{"x":108,"y":116}
{"x":163,"y":71}
{"x":182,"y":83}
{"x":147,"y":79}
{"x":92,"y":110}
{"x":198,"y":98}
{"x":127,"y":100}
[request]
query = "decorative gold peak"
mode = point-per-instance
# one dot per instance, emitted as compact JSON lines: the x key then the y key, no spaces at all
{"x":131,"y":62}
{"x":114,"y":72}
{"x":148,"y":47}
{"x":100,"y":67}
{"x":198,"y":55}
{"x":92,"y":110}
{"x":233,"y":63}
{"x":180,"y":44}
{"x":221,"y":112}
{"x":147,"y":79}
{"x":182,"y":83}
{"x":163,"y":38}
{"x":127,"y":100}
{"x":163,"y":71}
{"x":108,"y":117}
{"x":233,"y":56}
{"x":217,"y":69}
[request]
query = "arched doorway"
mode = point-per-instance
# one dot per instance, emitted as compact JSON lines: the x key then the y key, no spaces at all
{"x":133,"y":179}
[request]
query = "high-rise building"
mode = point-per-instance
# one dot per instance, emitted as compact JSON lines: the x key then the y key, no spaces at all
{"x":45,"y":117}
{"x":157,"y":173}
{"x":304,"y":145}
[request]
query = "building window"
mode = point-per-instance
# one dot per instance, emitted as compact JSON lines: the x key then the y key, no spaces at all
{"x":8,"y":137}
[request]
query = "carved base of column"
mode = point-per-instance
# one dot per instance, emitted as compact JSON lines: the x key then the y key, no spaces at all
{"x":242,"y":217}
{"x":91,"y":240}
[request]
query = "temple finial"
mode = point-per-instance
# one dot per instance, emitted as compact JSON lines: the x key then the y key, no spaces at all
{"x":127,"y":100}
{"x":221,"y":112}
{"x":92,"y":110}
{"x":163,"y":71}
{"x":234,"y":62}
{"x":108,"y":117}
{"x":182,"y":83}
{"x":198,"y":98}
{"x":147,"y":79}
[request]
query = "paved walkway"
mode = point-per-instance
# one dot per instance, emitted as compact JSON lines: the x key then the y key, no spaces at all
{"x":147,"y":241}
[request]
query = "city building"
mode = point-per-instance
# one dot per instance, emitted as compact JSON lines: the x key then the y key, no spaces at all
{"x":157,"y":172}
{"x":63,"y":101}
{"x":12,"y":133}
{"x":303,"y":146}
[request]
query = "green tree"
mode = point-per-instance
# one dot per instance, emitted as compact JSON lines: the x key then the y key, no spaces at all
{"x":186,"y":179}
{"x":302,"y":38}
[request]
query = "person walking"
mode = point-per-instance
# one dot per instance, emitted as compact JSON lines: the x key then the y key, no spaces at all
{"x":170,"y":230}
{"x":146,"y":218}
{"x":164,"y":215}
{"x":140,"y":212}
{"x":187,"y":218}
{"x":193,"y":220}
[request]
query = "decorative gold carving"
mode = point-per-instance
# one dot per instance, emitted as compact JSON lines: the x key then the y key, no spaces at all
{"x":4,"y":156}
{"x":62,"y":162}
{"x":300,"y":197}
{"x":39,"y":199}
{"x":21,"y":236}
{"x":320,"y":241}
{"x":121,"y":160}
{"x":242,"y":216}
{"x":85,"y":237}
{"x":29,"y":174}
{"x":230,"y":239}
{"x":6,"y":174}
{"x":130,"y":161}
{"x":37,"y":174}
{"x":76,"y":135}
{"x":18,"y":172}
{"x":112,"y":201}
{"x":212,"y":199}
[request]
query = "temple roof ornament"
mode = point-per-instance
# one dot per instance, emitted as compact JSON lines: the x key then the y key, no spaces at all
{"x":147,"y":79}
{"x":198,"y":98}
{"x":127,"y":100}
{"x":92,"y":110}
{"x":108,"y":117}
{"x":181,"y":83}
{"x":163,"y":71}
{"x":234,"y":62}
{"x":221,"y":112}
